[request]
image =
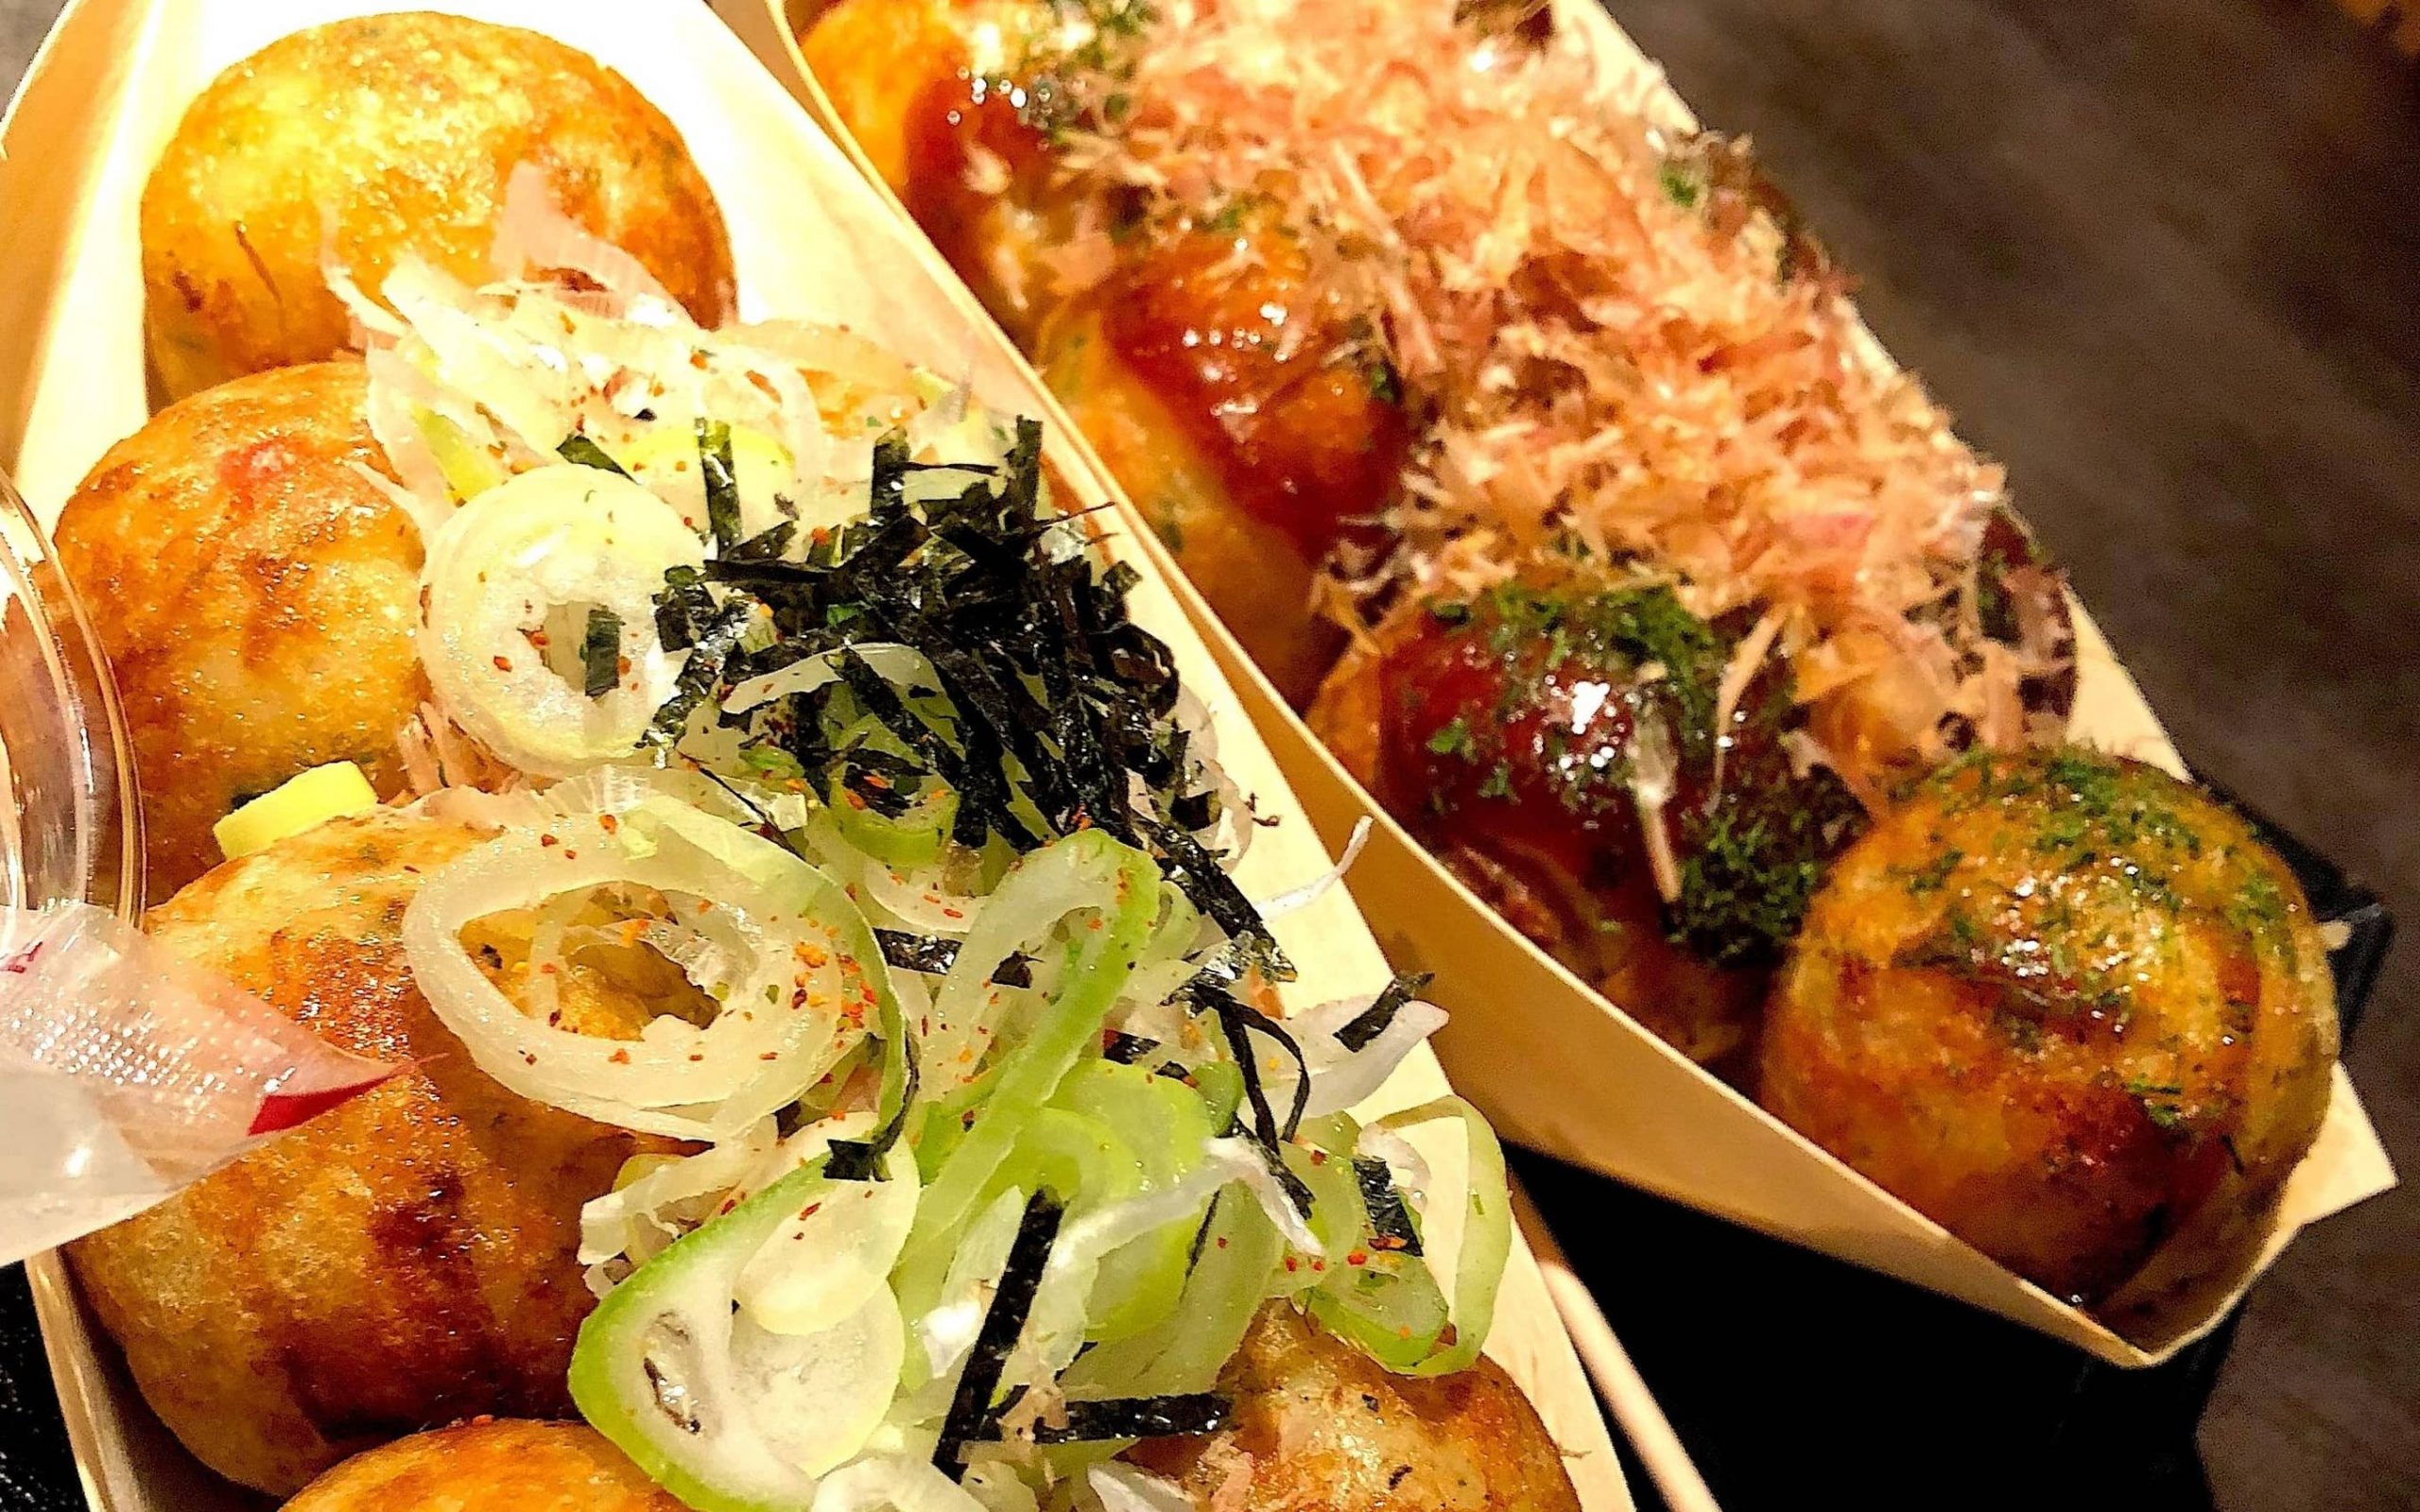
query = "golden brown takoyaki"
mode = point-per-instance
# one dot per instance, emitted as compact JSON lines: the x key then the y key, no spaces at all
{"x":403,"y":1261}
{"x":490,"y":1466}
{"x":1319,"y":1427}
{"x":365,"y":139}
{"x":2069,"y":1007}
{"x":254,"y":589}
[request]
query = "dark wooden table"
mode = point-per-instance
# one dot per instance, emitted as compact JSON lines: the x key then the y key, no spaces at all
{"x":2163,"y":257}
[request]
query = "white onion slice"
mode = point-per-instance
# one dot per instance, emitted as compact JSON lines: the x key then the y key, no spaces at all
{"x":1342,"y":1078}
{"x":896,"y":1485}
{"x":554,"y":538}
{"x":803,"y":1004}
{"x":824,"y":1261}
{"x":533,"y":234}
{"x":1124,"y":1488}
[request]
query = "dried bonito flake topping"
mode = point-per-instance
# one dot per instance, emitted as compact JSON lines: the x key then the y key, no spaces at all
{"x":1615,"y":342}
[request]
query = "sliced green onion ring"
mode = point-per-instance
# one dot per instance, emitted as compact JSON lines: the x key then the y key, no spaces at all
{"x":815,"y":972}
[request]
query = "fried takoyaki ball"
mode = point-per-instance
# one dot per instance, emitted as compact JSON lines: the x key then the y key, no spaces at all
{"x":1246,"y":412}
{"x":490,"y":1466}
{"x":366,"y":139}
{"x":255,"y":592}
{"x":1319,"y":1427}
{"x":1238,"y":400}
{"x":2069,"y":1007}
{"x":402,"y":1261}
{"x":1562,"y":746}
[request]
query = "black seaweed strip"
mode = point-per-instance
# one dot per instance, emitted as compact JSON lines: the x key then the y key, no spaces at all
{"x":772,"y":544}
{"x":1372,"y":1022}
{"x":683,"y":609}
{"x":600,"y":653}
{"x":970,"y":1408}
{"x":577,"y":448}
{"x":1185,"y":1415}
{"x":721,"y":471}
{"x":1198,"y":871}
{"x":861,"y":1159}
{"x":1240,"y":1020}
{"x":1201,"y":1231}
{"x":1389,"y":1218}
{"x":928,"y":954}
{"x":1125,"y":1049}
{"x":707,"y":657}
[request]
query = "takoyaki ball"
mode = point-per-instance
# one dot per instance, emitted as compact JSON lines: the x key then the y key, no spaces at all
{"x":2069,"y":1007}
{"x":255,"y":592}
{"x":1555,"y":744}
{"x":490,"y":1466}
{"x":401,"y":1262}
{"x":1319,"y":1427}
{"x":366,"y":139}
{"x":1253,"y":418}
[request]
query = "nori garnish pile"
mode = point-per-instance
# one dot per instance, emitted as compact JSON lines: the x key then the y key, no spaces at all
{"x":1046,"y":676}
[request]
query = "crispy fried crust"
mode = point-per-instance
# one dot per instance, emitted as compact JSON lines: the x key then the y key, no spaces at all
{"x":254,"y":592}
{"x":376,"y":136}
{"x":2070,"y":1009}
{"x":402,"y":1261}
{"x":489,"y":1466}
{"x":1320,"y":1428}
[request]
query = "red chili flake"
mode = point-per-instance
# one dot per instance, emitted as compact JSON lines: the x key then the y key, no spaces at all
{"x":809,"y":1211}
{"x":697,"y":1054}
{"x":1222,"y":1241}
{"x":876,"y":780}
{"x":1358,"y":1256}
{"x":1319,"y":1264}
{"x":569,"y":854}
{"x":1291,"y":1265}
{"x":770,"y":1055}
{"x":1387,"y":1242}
{"x":1318,"y":1157}
{"x":546,"y":840}
{"x":620,"y":1058}
{"x":856,"y":801}
{"x":622,"y":665}
{"x":537,"y":638}
{"x":503,"y":663}
{"x":529,"y":1057}
{"x":728,"y":1203}
{"x":609,"y":823}
{"x":966,"y":1120}
{"x":953,"y":913}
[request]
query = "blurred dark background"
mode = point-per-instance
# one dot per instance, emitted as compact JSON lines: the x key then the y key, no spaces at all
{"x":2163,"y":258}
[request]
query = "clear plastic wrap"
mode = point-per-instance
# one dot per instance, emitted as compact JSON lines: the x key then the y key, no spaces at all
{"x":127,"y":1073}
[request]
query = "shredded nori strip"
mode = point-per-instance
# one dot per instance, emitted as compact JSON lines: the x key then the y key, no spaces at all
{"x":600,"y":653}
{"x":721,"y":473}
{"x":577,"y":448}
{"x":1125,"y":1049}
{"x":710,"y":646}
{"x":1188,"y":1414}
{"x":1372,"y":1022}
{"x":970,"y":1408}
{"x":861,"y":1159}
{"x":1189,"y":863}
{"x":1050,"y":683}
{"x":1242,"y":1021}
{"x":1389,"y":1219}
{"x":934,"y":956}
